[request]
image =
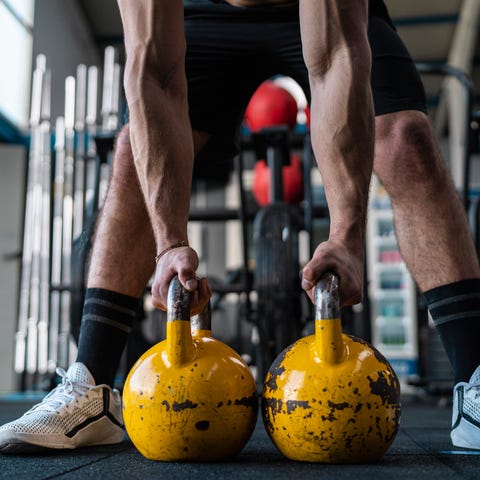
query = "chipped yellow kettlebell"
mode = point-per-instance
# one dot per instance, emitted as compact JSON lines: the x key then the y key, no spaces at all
{"x":331,"y":397}
{"x":190,"y":397}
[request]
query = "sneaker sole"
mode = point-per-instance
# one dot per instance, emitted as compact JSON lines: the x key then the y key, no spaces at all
{"x":24,"y":449}
{"x":463,"y":433}
{"x":90,"y":436}
{"x":30,"y":449}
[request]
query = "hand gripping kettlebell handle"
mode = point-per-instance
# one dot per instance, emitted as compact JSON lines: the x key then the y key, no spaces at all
{"x":327,"y":303}
{"x":178,"y":301}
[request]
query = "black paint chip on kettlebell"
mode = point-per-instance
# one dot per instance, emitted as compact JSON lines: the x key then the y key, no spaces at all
{"x":202,"y":425}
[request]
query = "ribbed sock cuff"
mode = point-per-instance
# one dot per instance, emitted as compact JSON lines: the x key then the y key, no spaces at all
{"x":106,"y":323}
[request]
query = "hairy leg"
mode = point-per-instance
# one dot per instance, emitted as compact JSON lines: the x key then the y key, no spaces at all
{"x":123,"y":252}
{"x":430,"y":221}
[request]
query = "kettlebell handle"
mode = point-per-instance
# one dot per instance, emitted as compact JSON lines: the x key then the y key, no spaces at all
{"x":178,"y":301}
{"x":202,"y":321}
{"x":179,"y":343}
{"x":329,"y":344}
{"x":327,"y":303}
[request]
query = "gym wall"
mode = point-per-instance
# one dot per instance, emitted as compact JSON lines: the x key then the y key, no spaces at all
{"x":61,"y":33}
{"x":12,"y":168}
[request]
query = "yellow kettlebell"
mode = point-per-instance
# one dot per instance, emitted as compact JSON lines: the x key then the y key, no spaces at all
{"x":190,"y":397}
{"x":331,"y":397}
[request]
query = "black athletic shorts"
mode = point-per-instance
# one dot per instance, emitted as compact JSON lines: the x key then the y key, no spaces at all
{"x":232,"y":50}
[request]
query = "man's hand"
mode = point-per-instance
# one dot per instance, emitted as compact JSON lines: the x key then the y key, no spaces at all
{"x":183,"y":262}
{"x":337,"y":258}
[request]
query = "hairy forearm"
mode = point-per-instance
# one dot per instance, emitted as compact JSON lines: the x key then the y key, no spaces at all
{"x":163,"y":152}
{"x":342,"y":137}
{"x":342,"y":125}
{"x":160,"y":131}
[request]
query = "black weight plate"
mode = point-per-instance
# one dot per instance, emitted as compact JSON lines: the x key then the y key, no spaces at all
{"x":277,"y":279}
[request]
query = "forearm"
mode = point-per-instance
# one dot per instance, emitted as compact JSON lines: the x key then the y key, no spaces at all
{"x":343,"y":145}
{"x":342,"y":125}
{"x":156,"y":92}
{"x":163,"y":151}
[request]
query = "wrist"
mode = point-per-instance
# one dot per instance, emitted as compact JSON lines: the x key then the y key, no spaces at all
{"x":182,"y":243}
{"x":352,"y":237}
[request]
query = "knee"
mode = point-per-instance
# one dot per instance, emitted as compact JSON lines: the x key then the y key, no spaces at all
{"x":406,"y":153}
{"x":123,"y":164}
{"x":122,"y":141}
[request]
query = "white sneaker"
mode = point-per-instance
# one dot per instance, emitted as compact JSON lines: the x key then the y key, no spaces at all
{"x":466,"y":413}
{"x":76,"y":413}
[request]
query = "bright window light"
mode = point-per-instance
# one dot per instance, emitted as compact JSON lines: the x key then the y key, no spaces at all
{"x":15,"y":60}
{"x":22,"y":8}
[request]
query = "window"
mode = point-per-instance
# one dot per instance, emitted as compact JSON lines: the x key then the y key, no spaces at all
{"x":16,"y":21}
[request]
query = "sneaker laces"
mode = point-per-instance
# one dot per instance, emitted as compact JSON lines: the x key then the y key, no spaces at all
{"x":472,"y":390}
{"x":62,"y":394}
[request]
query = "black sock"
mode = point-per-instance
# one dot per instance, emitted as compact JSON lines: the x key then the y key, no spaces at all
{"x":106,"y":323}
{"x":455,"y":309}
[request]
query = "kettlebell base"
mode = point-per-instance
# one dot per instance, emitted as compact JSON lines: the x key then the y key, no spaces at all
{"x":341,"y":459}
{"x":204,"y":457}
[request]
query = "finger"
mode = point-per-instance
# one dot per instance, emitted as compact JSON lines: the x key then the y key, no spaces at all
{"x":160,"y":286}
{"x":188,"y":278}
{"x":351,"y":296}
{"x":157,"y":303}
{"x":204,"y":288}
{"x":311,"y":294}
{"x":201,"y":297}
{"x":314,"y":269}
{"x":194,"y":304}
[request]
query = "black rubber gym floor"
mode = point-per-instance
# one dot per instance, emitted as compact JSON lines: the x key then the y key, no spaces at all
{"x":421,"y":450}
